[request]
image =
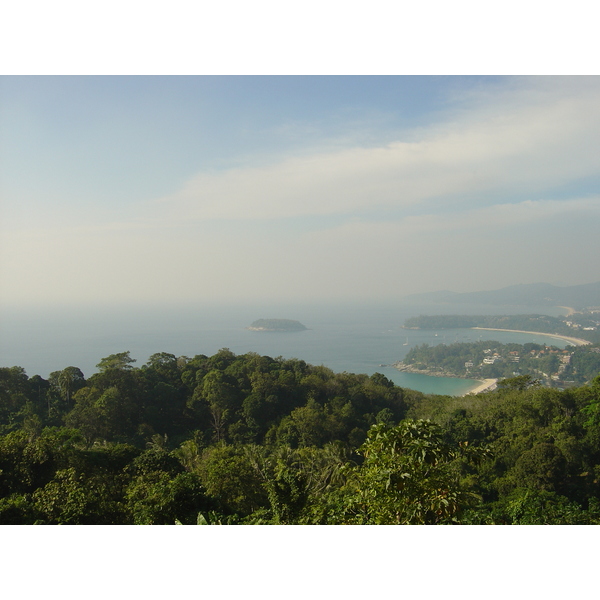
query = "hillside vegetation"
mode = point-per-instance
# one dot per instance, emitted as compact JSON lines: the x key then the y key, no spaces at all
{"x":491,"y":359}
{"x":253,"y":439}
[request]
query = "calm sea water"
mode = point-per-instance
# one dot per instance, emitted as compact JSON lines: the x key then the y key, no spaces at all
{"x":359,"y":339}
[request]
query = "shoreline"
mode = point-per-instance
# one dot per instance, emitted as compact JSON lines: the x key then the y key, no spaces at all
{"x":485,"y":385}
{"x":481,"y":385}
{"x":573,"y":340}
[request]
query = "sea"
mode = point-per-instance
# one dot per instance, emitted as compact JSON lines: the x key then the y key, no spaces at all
{"x":355,"y":338}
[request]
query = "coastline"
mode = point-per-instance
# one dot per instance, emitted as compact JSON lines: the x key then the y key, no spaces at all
{"x":485,"y":385}
{"x":482,"y":385}
{"x":573,"y":340}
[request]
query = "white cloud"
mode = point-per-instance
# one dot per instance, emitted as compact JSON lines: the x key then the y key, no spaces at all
{"x":438,"y":229}
{"x":527,"y":140}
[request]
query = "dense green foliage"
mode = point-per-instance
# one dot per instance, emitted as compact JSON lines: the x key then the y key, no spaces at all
{"x":490,"y":359}
{"x":252,"y":439}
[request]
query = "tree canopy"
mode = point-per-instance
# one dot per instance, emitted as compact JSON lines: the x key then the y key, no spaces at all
{"x":253,"y":439}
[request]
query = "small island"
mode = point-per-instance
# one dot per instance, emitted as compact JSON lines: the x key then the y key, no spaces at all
{"x":277,"y":325}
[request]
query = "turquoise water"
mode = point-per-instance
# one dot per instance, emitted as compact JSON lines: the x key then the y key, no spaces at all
{"x":358,"y":339}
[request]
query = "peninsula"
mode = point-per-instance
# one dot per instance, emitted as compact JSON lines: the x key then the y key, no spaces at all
{"x":277,"y":325}
{"x":491,"y":360}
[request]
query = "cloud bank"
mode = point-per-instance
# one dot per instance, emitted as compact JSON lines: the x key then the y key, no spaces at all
{"x":527,"y":142}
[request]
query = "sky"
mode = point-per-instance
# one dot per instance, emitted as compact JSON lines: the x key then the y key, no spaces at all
{"x":165,"y":189}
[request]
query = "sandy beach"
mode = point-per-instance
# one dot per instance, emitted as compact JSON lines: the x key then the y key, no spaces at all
{"x":571,"y":340}
{"x":485,"y":385}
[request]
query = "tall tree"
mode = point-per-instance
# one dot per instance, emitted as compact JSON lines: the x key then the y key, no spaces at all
{"x":67,"y":382}
{"x":408,"y":476}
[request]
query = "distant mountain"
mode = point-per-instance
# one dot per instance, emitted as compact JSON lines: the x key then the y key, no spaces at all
{"x":530,"y":294}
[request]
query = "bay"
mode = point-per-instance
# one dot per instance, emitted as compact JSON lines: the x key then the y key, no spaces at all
{"x":352,"y":337}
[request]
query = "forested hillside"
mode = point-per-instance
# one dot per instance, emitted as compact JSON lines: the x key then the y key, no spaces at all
{"x":490,"y":359}
{"x":251,"y":439}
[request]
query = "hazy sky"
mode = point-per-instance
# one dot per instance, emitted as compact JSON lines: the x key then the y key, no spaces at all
{"x":160,"y":189}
